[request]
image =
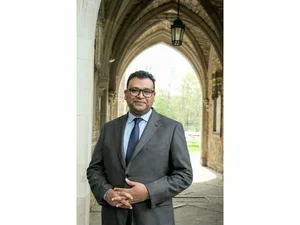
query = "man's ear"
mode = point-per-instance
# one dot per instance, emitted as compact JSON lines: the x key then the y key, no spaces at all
{"x":125,"y":96}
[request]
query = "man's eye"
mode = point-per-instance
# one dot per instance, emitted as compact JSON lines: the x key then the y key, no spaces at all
{"x":147,"y":91}
{"x":134,"y":90}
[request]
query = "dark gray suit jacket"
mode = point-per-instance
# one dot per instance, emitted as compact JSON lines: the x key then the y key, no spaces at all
{"x":160,"y":161}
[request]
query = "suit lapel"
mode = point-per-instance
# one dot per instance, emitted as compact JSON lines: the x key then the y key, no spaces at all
{"x":152,"y":126}
{"x":118,"y":138}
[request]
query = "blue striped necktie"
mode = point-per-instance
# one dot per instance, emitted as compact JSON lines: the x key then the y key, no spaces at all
{"x":133,"y":140}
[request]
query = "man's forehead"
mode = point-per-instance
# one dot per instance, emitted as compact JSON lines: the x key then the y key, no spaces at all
{"x":145,"y":82}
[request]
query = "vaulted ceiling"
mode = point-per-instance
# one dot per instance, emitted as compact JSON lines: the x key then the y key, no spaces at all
{"x":131,"y":26}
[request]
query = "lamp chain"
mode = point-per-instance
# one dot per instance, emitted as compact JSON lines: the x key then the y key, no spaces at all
{"x":178,"y":10}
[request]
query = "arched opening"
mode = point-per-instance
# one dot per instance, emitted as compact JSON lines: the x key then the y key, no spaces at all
{"x":179,"y":95}
{"x":127,"y":29}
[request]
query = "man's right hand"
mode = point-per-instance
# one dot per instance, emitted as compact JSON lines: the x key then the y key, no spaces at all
{"x":119,"y":199}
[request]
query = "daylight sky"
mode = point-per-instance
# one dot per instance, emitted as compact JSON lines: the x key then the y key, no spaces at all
{"x":167,"y":65}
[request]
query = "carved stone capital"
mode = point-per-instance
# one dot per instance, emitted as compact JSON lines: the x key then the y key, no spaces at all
{"x":101,"y":91}
{"x":112,"y":97}
{"x":217,"y":84}
{"x":98,"y":66}
{"x":207,"y":104}
{"x":103,"y":81}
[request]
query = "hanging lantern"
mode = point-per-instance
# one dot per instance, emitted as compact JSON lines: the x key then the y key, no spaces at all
{"x":177,"y":30}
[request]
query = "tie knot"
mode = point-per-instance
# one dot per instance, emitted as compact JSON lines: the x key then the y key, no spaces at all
{"x":137,"y":120}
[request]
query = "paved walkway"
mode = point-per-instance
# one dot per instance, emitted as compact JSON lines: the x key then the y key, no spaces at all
{"x":200,"y":204}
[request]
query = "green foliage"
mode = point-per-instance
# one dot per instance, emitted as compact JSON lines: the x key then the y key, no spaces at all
{"x":192,"y":148}
{"x":163,"y":104}
{"x":185,"y":106}
{"x":194,"y":144}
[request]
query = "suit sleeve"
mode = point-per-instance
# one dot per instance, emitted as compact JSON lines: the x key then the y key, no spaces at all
{"x":181,"y":177}
{"x":95,"y":175}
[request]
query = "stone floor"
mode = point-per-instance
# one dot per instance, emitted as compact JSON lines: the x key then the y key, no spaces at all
{"x":200,"y":204}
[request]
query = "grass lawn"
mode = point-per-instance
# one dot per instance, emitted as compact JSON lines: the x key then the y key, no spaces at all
{"x":194,"y":149}
{"x":194,"y":146}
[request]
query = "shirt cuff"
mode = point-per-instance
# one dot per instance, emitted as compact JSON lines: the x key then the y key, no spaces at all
{"x":104,"y":197}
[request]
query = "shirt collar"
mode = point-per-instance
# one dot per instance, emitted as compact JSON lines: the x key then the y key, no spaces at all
{"x":145,"y":117}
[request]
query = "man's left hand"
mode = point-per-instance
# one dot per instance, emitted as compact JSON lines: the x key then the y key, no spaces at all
{"x":138,"y":191}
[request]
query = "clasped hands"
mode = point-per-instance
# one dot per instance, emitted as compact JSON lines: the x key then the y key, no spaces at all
{"x":126,"y":197}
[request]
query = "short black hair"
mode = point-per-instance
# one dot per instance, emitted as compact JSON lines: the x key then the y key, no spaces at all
{"x":142,"y":75}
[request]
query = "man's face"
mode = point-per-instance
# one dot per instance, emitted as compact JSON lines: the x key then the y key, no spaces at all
{"x":139,"y":105}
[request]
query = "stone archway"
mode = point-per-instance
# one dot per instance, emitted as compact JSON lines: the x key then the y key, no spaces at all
{"x":139,"y":50}
{"x":117,"y":29}
{"x":125,"y":32}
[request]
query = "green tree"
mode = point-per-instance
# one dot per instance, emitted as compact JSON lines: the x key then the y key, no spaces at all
{"x":192,"y":99}
{"x":186,"y":106}
{"x":162,"y":102}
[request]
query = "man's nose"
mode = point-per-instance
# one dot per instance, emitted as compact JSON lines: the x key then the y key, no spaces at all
{"x":140,"y":95}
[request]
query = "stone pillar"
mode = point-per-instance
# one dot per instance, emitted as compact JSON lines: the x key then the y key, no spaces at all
{"x":219,"y":93}
{"x":205,"y":131}
{"x":103,"y":95}
{"x":99,"y":89}
{"x":212,"y":155}
{"x":121,"y":102}
{"x":215,"y":156}
{"x":86,"y":22}
{"x":99,"y":93}
{"x":103,"y":104}
{"x":96,"y":122}
{"x":113,"y":105}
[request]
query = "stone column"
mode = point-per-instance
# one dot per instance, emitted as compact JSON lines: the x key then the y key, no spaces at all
{"x":206,"y":108}
{"x":103,"y":104}
{"x":86,"y":22}
{"x":219,"y":88}
{"x":98,"y":94}
{"x":103,"y":87}
{"x":96,"y":122}
{"x":121,"y":102}
{"x":113,"y":105}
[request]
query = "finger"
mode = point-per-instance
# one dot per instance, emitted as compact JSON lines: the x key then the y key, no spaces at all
{"x":131,"y":183}
{"x":124,"y":204}
{"x":120,"y":189}
{"x":126,"y":195}
{"x":118,"y":198}
{"x":127,"y":204}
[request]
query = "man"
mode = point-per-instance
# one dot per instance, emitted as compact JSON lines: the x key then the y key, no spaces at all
{"x":135,"y":184}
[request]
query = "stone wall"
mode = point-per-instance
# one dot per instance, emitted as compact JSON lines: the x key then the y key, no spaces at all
{"x":215,"y":138}
{"x":215,"y":153}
